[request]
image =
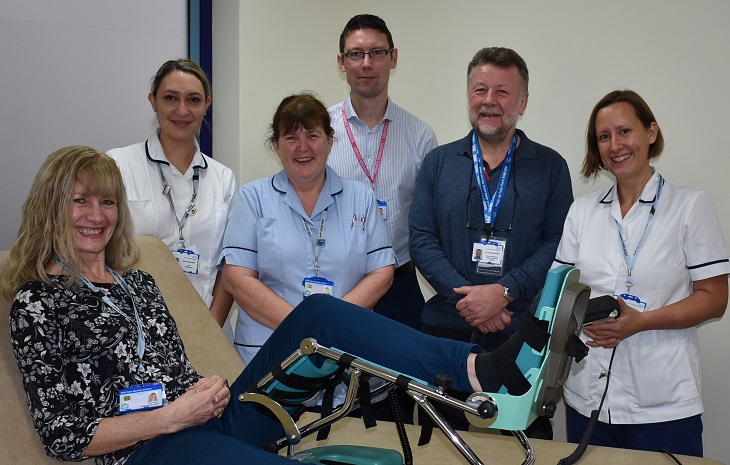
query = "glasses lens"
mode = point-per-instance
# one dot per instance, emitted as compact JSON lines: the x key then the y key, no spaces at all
{"x":355,"y":56}
{"x":375,"y":55}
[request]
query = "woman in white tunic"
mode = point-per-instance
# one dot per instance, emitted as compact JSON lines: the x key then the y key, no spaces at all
{"x":175,"y":192}
{"x":658,"y":248}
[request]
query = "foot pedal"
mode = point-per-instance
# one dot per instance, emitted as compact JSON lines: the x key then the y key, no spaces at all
{"x":348,"y":455}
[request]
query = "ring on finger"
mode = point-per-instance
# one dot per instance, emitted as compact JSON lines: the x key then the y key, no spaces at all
{"x":468,"y":318}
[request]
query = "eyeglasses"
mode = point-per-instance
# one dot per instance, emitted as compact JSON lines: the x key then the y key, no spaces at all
{"x":375,"y":55}
{"x":487,"y":228}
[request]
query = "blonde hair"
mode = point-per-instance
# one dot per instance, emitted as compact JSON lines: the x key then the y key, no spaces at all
{"x":46,"y":227}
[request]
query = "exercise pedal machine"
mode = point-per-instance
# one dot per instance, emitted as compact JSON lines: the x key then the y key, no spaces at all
{"x":283,"y":391}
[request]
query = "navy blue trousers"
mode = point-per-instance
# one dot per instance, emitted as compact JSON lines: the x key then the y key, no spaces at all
{"x":682,"y":436}
{"x":404,"y":300}
{"x":237,"y":437}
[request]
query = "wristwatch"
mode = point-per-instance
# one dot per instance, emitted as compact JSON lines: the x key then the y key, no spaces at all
{"x":508,"y":295}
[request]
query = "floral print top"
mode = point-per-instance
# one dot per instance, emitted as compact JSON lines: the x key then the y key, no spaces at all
{"x":75,"y":353}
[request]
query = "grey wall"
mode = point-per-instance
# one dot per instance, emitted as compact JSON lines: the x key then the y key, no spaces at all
{"x":673,"y":52}
{"x":76,"y":72}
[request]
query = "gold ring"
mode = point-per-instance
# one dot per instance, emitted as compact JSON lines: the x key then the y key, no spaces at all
{"x":468,"y":318}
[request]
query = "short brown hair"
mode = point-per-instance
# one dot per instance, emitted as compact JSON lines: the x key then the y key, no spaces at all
{"x":300,"y":110}
{"x":365,"y":21}
{"x":592,"y":163}
{"x":502,"y":57}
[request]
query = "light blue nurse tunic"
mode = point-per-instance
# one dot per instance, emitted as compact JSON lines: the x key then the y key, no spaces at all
{"x":266,"y":233}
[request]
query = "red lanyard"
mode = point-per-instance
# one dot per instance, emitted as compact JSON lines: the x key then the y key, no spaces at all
{"x":379,"y":157}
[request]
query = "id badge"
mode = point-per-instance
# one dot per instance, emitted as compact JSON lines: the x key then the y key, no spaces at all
{"x":141,"y":397}
{"x":633,"y":301}
{"x":315,"y":285}
{"x":383,"y":207}
{"x":489,"y":256}
{"x":188,"y":259}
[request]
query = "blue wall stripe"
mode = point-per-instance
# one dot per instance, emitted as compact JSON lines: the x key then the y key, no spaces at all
{"x":200,"y":50}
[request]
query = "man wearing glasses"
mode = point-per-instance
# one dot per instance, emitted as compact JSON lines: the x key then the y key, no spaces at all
{"x":488,"y":213}
{"x":382,"y":145}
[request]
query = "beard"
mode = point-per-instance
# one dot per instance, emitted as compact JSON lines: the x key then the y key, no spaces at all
{"x":491,"y":134}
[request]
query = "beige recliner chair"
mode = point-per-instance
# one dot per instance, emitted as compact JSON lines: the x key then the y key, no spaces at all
{"x":209,"y":350}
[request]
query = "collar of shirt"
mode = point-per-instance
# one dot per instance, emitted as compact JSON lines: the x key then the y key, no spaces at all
{"x":648,"y":194}
{"x":526,"y":149}
{"x":156,"y":154}
{"x":332,"y":186}
{"x":352,"y":114}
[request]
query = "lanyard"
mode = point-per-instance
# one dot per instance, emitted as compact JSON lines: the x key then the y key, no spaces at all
{"x":320,"y":242}
{"x":141,"y":343}
{"x":167,"y":192}
{"x":631,"y":260}
{"x":358,"y":155}
{"x":491,"y":204}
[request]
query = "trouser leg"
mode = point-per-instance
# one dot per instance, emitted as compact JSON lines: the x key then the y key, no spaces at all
{"x":404,"y":300}
{"x":204,"y":445}
{"x":335,"y":323}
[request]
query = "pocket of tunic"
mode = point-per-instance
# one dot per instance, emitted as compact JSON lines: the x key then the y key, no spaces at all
{"x":221,"y":218}
{"x":662,"y":374}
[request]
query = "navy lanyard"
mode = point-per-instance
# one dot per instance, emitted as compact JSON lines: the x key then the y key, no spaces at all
{"x":631,"y":260}
{"x":319,"y":242}
{"x":491,"y":204}
{"x":141,"y":343}
{"x":167,"y":192}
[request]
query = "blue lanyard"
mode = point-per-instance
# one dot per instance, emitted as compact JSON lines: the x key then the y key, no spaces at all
{"x":631,"y":260}
{"x":491,"y":204}
{"x":319,"y":242}
{"x":167,"y":192}
{"x":141,"y":343}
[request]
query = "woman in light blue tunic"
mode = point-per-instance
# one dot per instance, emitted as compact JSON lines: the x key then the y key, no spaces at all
{"x":302,"y":231}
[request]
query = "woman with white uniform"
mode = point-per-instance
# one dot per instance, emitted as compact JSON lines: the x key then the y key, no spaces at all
{"x":302,"y":231}
{"x":657,"y":247}
{"x":175,"y":192}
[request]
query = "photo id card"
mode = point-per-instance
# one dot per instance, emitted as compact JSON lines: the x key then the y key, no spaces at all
{"x":632,"y":301}
{"x":141,"y":397}
{"x":188,"y":259}
{"x":489,"y":256}
{"x":317,"y":285}
{"x":383,"y":208}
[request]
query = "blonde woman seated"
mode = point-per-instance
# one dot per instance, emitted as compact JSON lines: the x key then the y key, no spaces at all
{"x":84,"y":328}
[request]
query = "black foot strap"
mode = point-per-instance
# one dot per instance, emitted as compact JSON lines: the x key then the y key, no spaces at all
{"x":533,"y":332}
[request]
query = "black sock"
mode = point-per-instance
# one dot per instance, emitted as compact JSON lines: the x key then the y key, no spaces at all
{"x":484,"y":366}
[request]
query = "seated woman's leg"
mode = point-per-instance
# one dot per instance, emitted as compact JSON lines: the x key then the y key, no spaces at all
{"x":362,"y":333}
{"x":352,"y":329}
{"x":204,"y":445}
